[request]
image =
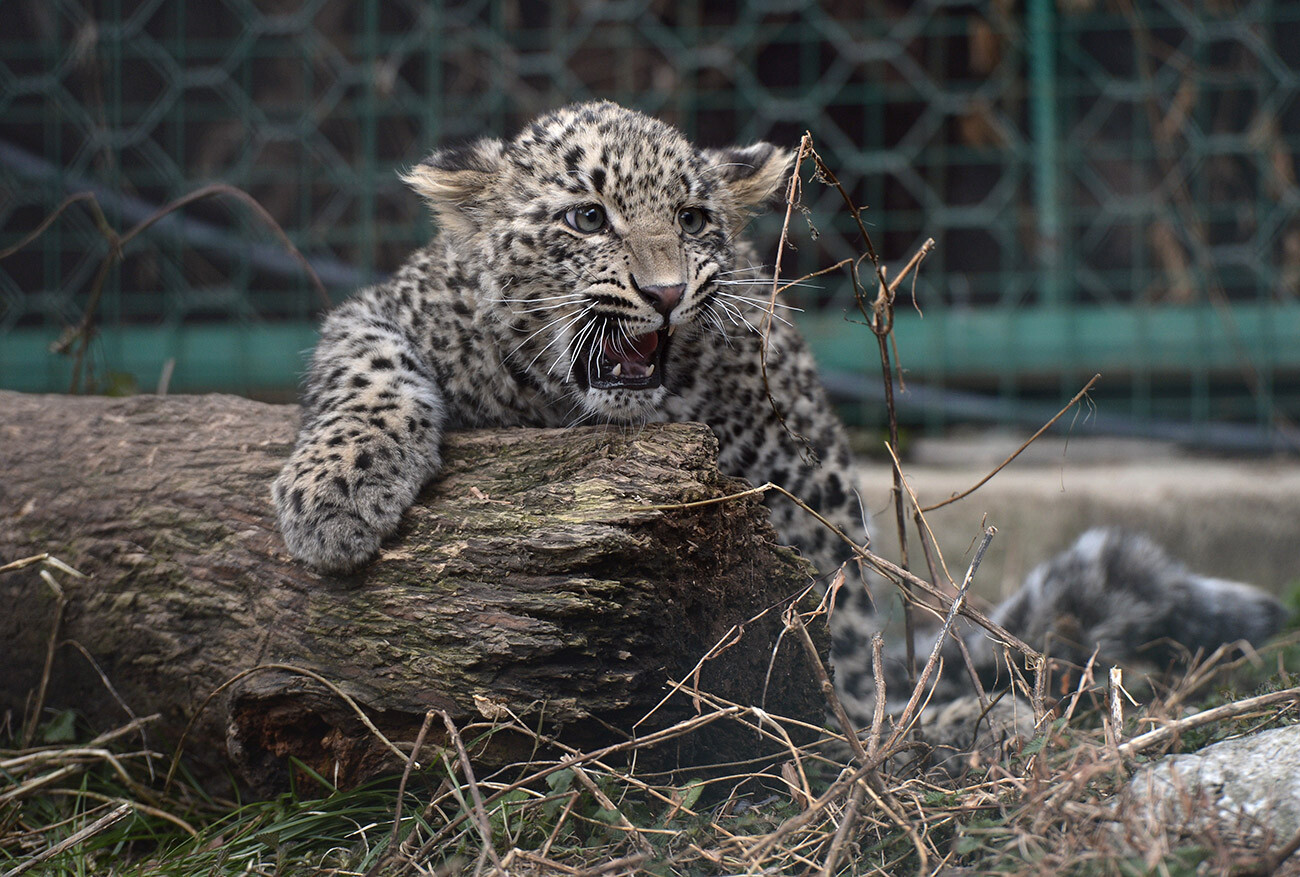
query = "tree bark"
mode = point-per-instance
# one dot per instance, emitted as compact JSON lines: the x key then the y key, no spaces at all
{"x":530,"y":575}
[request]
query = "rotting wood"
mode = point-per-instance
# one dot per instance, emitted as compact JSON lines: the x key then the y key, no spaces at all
{"x":530,"y":575}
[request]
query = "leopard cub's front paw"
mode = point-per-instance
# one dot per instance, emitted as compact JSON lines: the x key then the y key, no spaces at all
{"x":321,"y":521}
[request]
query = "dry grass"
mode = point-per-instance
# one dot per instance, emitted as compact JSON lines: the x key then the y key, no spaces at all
{"x":829,"y":807}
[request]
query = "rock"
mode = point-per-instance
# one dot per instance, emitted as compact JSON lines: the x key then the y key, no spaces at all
{"x":1243,"y":790}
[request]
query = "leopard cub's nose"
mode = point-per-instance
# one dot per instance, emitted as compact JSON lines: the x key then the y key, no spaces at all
{"x":664,"y":298}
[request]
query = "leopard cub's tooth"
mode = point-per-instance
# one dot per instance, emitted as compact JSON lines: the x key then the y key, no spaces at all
{"x":651,"y":371}
{"x":618,"y":370}
{"x":671,"y":330}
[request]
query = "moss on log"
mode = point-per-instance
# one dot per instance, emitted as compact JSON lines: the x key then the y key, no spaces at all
{"x":532,"y":574}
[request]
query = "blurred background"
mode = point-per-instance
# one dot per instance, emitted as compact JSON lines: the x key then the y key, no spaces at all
{"x":1112,"y":184}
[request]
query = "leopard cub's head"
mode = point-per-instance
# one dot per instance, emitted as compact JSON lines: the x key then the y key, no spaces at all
{"x":610,"y":239}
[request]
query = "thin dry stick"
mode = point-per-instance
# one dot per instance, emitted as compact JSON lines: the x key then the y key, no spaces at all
{"x":765,"y":326}
{"x":974,"y":675}
{"x":1035,"y":692}
{"x":795,"y":623}
{"x":1046,"y":426}
{"x":75,"y":761}
{"x":913,"y":264}
{"x":897,"y":818}
{"x":108,"y":685}
{"x":851,"y":810}
{"x":1205,"y":717}
{"x":923,"y":530}
{"x":541,"y":859}
{"x":559,"y":823}
{"x":825,"y":606}
{"x":814,"y":810}
{"x":918,"y":521}
{"x":484,"y":825}
{"x":40,"y":756}
{"x":628,"y":863}
{"x":32,"y":785}
{"x":14,"y":837}
{"x":754,"y":491}
{"x":53,"y":752}
{"x":79,"y":755}
{"x":881,"y":322}
{"x":60,"y":602}
{"x":45,"y":558}
{"x":1114,"y":723}
{"x":112,"y":818}
{"x":100,"y":221}
{"x":828,"y":177}
{"x":1085,"y":683}
{"x":411,"y":762}
{"x":847,"y":820}
{"x":609,"y":806}
{"x":882,"y":326}
{"x":129,"y":728}
{"x":818,"y":273}
{"x":878,"y":676}
{"x":906,"y":717}
{"x":923,"y":524}
{"x":766,"y":718}
{"x":1040,"y":690}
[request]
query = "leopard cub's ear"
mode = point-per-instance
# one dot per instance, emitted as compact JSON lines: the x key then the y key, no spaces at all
{"x":753,"y":174}
{"x":457,"y":181}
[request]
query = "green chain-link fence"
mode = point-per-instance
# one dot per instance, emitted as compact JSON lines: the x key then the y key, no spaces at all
{"x":1111,"y":183}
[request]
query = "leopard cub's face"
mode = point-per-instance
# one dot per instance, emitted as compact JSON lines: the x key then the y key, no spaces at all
{"x":610,"y":240}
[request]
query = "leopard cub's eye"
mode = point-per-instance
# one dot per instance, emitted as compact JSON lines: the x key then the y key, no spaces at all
{"x":692,"y":219}
{"x":588,"y":219}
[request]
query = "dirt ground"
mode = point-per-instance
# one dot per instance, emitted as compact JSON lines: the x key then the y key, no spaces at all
{"x":1234,"y":518}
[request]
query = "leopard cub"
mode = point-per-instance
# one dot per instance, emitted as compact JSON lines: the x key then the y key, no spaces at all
{"x":591,"y":269}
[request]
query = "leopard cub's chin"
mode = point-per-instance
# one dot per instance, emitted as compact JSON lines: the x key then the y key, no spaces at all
{"x":625,"y":406}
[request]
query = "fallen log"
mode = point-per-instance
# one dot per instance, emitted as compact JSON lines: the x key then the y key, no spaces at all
{"x":532,"y":579}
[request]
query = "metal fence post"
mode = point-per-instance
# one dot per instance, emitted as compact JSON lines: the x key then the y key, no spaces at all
{"x":1044,"y":129}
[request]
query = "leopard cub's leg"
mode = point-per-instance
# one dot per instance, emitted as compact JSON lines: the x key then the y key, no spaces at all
{"x":371,"y":429}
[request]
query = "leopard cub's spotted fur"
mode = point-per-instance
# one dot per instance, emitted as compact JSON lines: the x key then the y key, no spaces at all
{"x":591,"y":269}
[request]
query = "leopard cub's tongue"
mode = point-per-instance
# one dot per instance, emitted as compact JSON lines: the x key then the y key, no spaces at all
{"x":635,"y":355}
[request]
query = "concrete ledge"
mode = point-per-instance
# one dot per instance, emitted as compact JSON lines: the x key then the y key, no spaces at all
{"x":1230,"y":518}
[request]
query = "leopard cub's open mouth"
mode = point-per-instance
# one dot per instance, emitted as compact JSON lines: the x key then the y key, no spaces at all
{"x":622,"y":362}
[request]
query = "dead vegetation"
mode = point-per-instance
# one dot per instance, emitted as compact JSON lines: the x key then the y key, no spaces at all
{"x":110,"y":805}
{"x":114,"y":804}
